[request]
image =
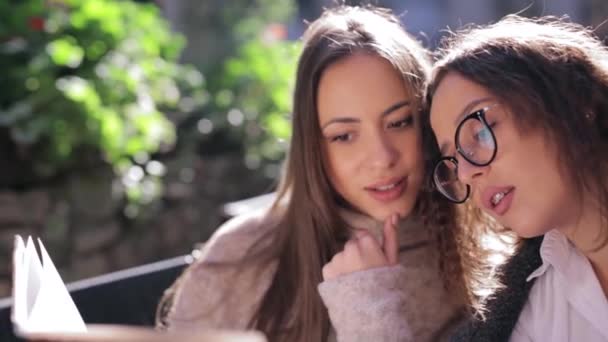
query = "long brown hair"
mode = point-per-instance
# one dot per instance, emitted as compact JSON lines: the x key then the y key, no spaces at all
{"x":552,"y":74}
{"x":309,"y":230}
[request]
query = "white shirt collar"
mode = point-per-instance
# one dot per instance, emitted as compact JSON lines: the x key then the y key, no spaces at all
{"x":569,"y":298}
{"x":555,"y":251}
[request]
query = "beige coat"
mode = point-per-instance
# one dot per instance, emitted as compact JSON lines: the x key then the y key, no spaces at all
{"x":405,"y":302}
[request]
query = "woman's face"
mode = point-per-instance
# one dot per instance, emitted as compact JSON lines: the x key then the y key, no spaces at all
{"x":371,"y":135}
{"x":522,"y":188}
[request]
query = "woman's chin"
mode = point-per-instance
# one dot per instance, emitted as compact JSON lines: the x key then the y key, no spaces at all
{"x":383,"y":215}
{"x":528,"y":232}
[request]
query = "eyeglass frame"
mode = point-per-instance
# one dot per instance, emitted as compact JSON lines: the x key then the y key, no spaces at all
{"x":479,"y":115}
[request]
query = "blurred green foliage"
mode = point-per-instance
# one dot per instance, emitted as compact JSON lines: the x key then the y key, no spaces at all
{"x":85,"y":81}
{"x":89,"y":76}
{"x":252,"y":89}
{"x":256,"y":97}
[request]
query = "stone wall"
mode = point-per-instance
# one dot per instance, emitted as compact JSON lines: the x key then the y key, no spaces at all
{"x":82,"y":224}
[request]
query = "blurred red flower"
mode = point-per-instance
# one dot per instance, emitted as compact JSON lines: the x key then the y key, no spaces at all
{"x":36,"y":23}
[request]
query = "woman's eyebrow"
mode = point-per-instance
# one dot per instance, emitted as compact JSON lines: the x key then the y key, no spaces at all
{"x":340,"y":120}
{"x":395,"y":107}
{"x":346,"y":119}
{"x":467,"y":109}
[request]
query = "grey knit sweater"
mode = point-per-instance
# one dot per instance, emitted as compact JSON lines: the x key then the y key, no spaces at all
{"x":405,"y":302}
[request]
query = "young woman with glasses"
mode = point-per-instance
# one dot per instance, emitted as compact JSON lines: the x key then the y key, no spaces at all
{"x":519,"y":110}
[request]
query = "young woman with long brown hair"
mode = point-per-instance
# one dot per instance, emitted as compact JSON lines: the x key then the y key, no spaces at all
{"x":354,"y":245}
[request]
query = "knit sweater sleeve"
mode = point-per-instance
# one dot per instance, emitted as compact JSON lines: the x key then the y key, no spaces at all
{"x":215,"y":291}
{"x":368,"y":305}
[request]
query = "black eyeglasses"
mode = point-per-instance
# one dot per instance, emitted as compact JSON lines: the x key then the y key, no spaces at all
{"x":476,"y":143}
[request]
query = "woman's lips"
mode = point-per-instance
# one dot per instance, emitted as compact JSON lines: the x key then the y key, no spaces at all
{"x":498,"y":199}
{"x":387,"y":191}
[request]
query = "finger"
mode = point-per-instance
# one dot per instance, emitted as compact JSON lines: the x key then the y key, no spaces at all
{"x":327,"y":272}
{"x":350,"y":247}
{"x":337,"y":258}
{"x":359,"y":233}
{"x":391,"y":242}
{"x":367,"y":243}
{"x":331,"y":269}
{"x":371,"y":252}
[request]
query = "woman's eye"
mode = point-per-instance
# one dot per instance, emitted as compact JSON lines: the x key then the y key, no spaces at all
{"x":341,"y":137}
{"x":402,"y":123}
{"x":485,"y":134}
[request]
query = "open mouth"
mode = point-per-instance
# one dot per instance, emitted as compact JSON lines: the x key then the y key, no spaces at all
{"x":498,"y":197}
{"x":388,"y":191}
{"x":386,"y":187}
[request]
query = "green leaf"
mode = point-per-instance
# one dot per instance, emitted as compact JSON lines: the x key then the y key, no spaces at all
{"x":66,"y":52}
{"x":278,"y":125}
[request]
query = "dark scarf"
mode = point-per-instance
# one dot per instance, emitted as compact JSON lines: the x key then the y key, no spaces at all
{"x":504,"y":307}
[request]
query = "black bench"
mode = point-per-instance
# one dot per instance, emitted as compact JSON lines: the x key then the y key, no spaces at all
{"x":130,"y":296}
{"x":124,"y":297}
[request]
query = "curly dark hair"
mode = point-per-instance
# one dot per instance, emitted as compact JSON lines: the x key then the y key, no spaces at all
{"x":553,"y":75}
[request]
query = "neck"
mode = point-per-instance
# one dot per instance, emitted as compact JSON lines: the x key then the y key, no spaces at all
{"x":409,"y":229}
{"x":589,"y":235}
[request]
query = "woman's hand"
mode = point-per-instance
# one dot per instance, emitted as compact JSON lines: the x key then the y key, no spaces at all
{"x":364,"y":252}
